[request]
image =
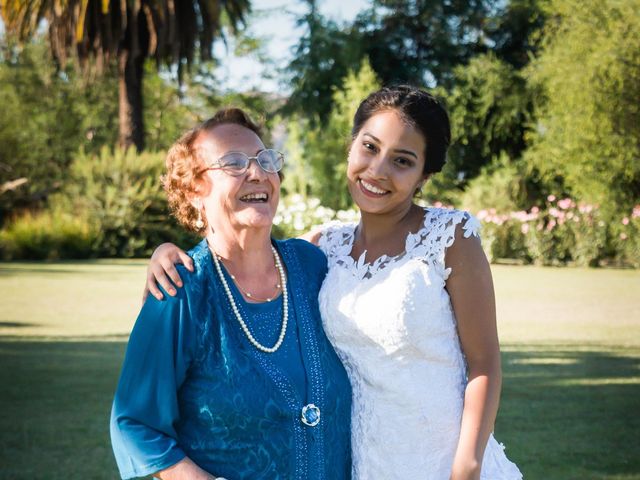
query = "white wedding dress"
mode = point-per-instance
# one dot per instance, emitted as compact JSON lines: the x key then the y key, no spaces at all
{"x":393,"y":327}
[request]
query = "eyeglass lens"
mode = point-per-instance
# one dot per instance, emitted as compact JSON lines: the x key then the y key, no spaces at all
{"x":270,"y":161}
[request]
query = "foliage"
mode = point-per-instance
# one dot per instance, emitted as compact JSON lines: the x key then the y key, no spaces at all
{"x":558,"y":233}
{"x":514,"y":30}
{"x":121,"y":193}
{"x":504,"y":185}
{"x":167,"y":114}
{"x":46,"y":116}
{"x":323,"y":57}
{"x":421,"y":41}
{"x":325,"y":147}
{"x":49,"y":235}
{"x":589,"y":122}
{"x":625,"y":237}
{"x":489,"y":107}
{"x":125,"y":34}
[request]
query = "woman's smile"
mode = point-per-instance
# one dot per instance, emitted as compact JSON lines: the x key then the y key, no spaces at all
{"x":370,"y":188}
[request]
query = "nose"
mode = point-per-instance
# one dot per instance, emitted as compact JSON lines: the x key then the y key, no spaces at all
{"x":255,"y":173}
{"x":377,"y":167}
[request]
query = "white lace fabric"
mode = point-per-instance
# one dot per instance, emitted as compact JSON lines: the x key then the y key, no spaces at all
{"x":392,"y":325}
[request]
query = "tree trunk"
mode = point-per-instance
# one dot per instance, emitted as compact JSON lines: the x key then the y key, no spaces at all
{"x":130,"y":74}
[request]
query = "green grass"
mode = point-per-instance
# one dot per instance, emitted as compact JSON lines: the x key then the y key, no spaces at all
{"x":571,"y":344}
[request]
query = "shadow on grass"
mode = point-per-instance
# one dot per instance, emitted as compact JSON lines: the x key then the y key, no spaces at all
{"x":11,"y":269}
{"x":564,"y":415}
{"x":568,"y":414}
{"x":18,"y":324}
{"x":55,"y":401}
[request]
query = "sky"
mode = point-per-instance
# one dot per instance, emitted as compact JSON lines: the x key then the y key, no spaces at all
{"x":273,"y":21}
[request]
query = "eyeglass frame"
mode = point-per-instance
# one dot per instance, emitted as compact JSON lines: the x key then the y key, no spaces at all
{"x":215,"y":165}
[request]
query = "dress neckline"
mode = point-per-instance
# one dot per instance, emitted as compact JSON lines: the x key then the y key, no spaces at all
{"x":366,"y":269}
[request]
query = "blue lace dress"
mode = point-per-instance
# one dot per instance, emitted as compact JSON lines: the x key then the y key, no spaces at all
{"x":192,"y":384}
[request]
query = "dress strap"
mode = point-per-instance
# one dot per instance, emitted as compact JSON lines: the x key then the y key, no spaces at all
{"x":430,"y":243}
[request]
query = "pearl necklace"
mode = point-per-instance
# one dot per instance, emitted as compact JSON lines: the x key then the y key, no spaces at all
{"x":236,"y":311}
{"x":250,"y":295}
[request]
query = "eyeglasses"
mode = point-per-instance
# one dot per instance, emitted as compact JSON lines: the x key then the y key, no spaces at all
{"x":237,"y":163}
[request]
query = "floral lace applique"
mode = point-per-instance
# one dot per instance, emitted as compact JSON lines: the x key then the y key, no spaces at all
{"x":428,"y":244}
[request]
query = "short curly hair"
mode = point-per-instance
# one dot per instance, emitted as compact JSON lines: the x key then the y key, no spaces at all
{"x":185,"y":167}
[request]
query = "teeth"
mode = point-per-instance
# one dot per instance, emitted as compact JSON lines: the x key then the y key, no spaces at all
{"x":371,"y":188}
{"x":254,"y":196}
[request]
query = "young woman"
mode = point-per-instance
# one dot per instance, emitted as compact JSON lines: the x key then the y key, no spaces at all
{"x":408,"y":304}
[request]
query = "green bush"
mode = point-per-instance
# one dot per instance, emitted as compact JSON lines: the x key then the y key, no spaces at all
{"x":121,"y":192}
{"x":560,"y":233}
{"x":48,"y":235}
{"x":625,"y":235}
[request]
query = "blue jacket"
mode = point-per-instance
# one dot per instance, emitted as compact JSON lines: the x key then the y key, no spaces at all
{"x":192,"y":385}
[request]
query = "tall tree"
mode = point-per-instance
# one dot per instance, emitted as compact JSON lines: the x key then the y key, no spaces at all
{"x":588,"y":121}
{"x":126,"y":32}
{"x":323,"y":57}
{"x":421,"y":41}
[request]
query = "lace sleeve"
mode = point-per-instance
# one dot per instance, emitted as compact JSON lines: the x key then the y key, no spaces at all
{"x":440,"y":233}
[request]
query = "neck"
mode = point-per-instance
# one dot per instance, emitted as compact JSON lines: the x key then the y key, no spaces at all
{"x":374,"y":227}
{"x":245,"y":249}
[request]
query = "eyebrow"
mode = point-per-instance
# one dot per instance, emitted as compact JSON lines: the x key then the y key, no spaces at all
{"x":397,"y":150}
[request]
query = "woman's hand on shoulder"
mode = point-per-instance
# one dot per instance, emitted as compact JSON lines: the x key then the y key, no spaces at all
{"x":162,"y":270}
{"x":312,"y":236}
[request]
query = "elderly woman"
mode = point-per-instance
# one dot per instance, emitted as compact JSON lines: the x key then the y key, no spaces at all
{"x":233,"y":377}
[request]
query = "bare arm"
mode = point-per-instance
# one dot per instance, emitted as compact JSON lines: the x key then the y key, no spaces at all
{"x":162,"y":270}
{"x":470,"y":287}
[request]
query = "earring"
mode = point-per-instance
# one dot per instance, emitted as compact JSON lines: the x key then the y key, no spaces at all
{"x":199,"y":222}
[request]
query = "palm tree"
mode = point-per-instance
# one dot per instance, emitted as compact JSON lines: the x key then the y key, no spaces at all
{"x":126,"y":32}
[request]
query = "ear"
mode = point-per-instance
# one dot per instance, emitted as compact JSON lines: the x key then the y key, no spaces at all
{"x":196,"y":201}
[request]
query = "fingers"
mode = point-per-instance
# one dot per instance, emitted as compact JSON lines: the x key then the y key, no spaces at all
{"x":170,"y":272}
{"x":145,"y":294}
{"x":152,"y":287}
{"x":186,"y":260}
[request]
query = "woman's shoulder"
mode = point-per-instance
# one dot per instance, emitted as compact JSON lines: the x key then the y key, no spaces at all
{"x":309,"y":254}
{"x":192,"y":281}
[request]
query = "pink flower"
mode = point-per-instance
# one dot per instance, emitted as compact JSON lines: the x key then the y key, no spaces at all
{"x":551,"y":198}
{"x":565,"y":203}
{"x":625,"y":221}
{"x":636,"y":212}
{"x":551,"y":225}
{"x":623,"y":236}
{"x":585,"y":208}
{"x":535,"y":210}
{"x":524,"y":228}
{"x":482,"y":214}
{"x":438,"y":204}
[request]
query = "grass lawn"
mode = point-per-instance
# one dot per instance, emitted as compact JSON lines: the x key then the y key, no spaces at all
{"x":571,"y":344}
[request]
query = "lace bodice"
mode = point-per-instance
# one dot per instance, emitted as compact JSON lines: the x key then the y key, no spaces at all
{"x":393,"y":326}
